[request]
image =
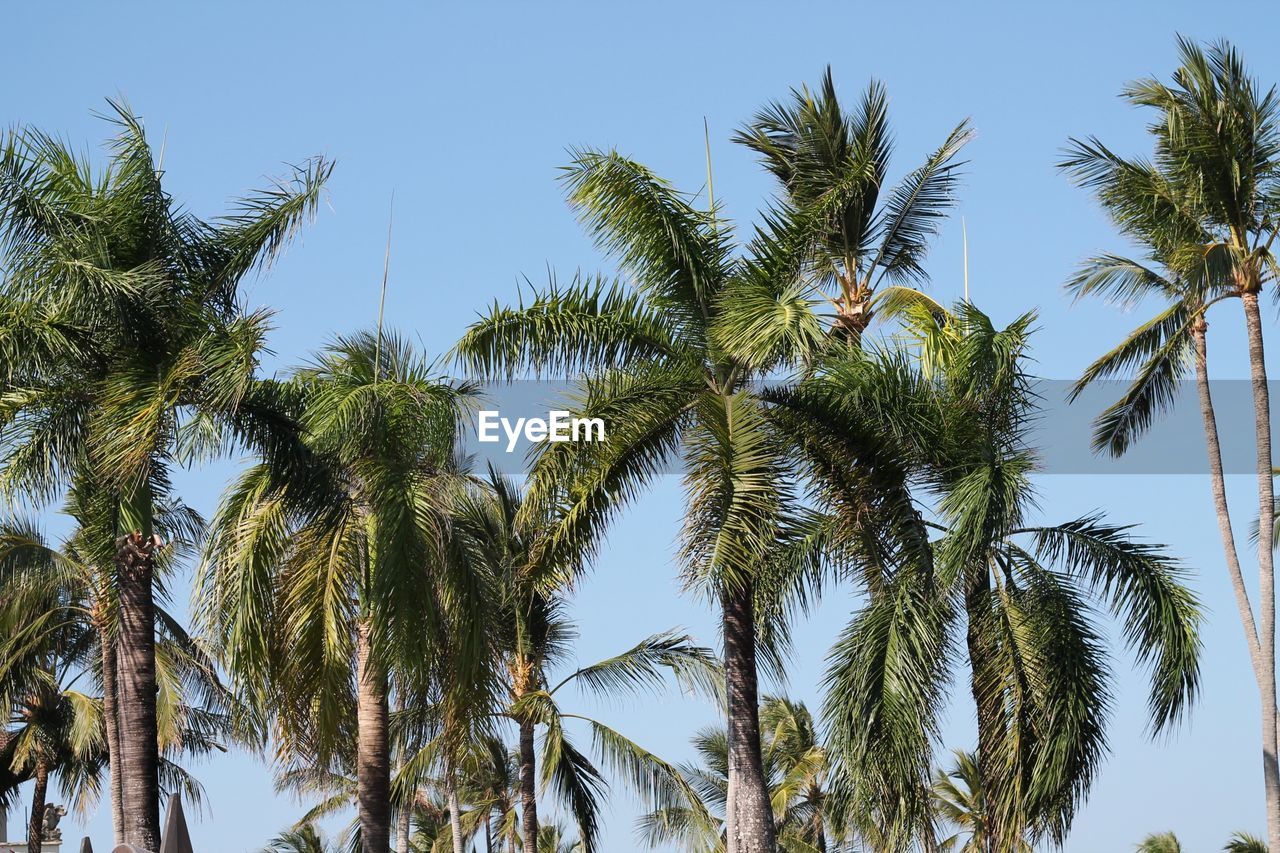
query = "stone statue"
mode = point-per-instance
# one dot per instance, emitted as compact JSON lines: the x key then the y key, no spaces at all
{"x":53,"y":814}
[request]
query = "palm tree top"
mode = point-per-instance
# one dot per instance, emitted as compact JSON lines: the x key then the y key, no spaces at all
{"x":119,"y":309}
{"x":833,"y":163}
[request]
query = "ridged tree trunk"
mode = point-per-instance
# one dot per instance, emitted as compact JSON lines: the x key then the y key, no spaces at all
{"x":136,"y":668}
{"x":111,"y":721}
{"x":528,"y":789}
{"x":984,"y":686}
{"x":1266,"y":564}
{"x":455,"y":815}
{"x":403,"y":827}
{"x":748,"y":814}
{"x":819,"y":828}
{"x":373,"y":751}
{"x":35,"y":826}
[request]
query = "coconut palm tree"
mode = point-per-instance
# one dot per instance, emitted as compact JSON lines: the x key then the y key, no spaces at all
{"x":796,"y":766}
{"x":554,"y":839}
{"x":1167,"y":842}
{"x":534,"y":638}
{"x":303,"y":838}
{"x":335,"y":790}
{"x":432,"y":826}
{"x":490,"y":784}
{"x":53,"y":729}
{"x":61,"y":604}
{"x":1243,"y":842}
{"x":794,"y":750}
{"x":833,"y":163}
{"x":324,"y":576}
{"x":1159,"y":842}
{"x":127,"y":350}
{"x":1205,"y":208}
{"x":958,"y":799}
{"x":1014,"y":590}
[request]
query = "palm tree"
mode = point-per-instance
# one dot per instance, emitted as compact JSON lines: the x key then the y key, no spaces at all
{"x":1015,"y":590}
{"x":60,"y":604}
{"x":127,"y":350}
{"x":75,"y":595}
{"x":303,"y":838}
{"x":1205,"y":208}
{"x":668,"y":392}
{"x":534,"y":639}
{"x":335,"y":789}
{"x":553,"y":839}
{"x":1159,"y":842}
{"x":325,"y":574}
{"x":490,"y":784}
{"x":793,"y":748}
{"x":432,"y":827}
{"x":1167,"y":842}
{"x":833,"y":165}
{"x":959,"y":800}
{"x":54,"y":730}
{"x":696,"y":823}
{"x":796,"y":767}
{"x":1243,"y":842}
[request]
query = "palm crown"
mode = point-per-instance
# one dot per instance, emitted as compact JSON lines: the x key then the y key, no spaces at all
{"x":958,"y":428}
{"x":833,"y":165}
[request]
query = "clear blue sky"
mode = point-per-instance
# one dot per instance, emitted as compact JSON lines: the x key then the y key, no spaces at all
{"x":465,"y":113}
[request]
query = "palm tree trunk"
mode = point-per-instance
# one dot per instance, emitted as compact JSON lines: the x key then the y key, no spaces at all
{"x":373,"y":752}
{"x":455,"y":814}
{"x":111,"y":720}
{"x":136,"y":659}
{"x":1219,"y":487}
{"x":488,"y":833}
{"x":35,"y":826}
{"x":403,"y":819}
{"x":748,"y":813}
{"x":1266,"y":564}
{"x":984,"y":685}
{"x":820,"y":832}
{"x":528,"y":789}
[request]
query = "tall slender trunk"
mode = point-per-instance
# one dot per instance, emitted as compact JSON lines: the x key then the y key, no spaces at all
{"x":111,"y":721}
{"x":748,"y":813}
{"x":373,"y":752}
{"x":819,"y":827}
{"x":404,"y":819}
{"x":528,"y":789}
{"x":488,"y":833}
{"x":985,"y":687}
{"x":455,"y":814}
{"x":35,"y":826}
{"x":136,"y":659}
{"x":1266,"y":564}
{"x":1219,"y":488}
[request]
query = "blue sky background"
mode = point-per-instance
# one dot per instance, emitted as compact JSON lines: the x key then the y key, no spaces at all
{"x":465,"y":112}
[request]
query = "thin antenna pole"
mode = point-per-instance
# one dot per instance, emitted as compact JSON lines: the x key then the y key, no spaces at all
{"x":964,"y":232}
{"x":711,"y":184}
{"x":164,"y":142}
{"x":382,"y":299}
